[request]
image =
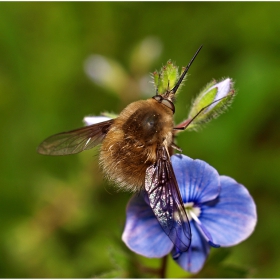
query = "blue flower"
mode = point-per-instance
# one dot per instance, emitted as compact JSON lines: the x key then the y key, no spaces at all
{"x":221,"y":213}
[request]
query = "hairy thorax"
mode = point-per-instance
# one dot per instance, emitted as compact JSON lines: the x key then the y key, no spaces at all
{"x":130,"y":146}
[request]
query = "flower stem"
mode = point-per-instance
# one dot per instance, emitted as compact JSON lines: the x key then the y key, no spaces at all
{"x":162,"y":270}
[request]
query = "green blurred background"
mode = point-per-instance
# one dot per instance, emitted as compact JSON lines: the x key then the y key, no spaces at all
{"x":58,"y":216}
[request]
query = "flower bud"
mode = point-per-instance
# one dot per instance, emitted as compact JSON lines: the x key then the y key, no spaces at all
{"x":211,"y":102}
{"x":144,"y":54}
{"x":106,"y":72}
{"x":105,"y":116}
{"x":167,"y":78}
{"x":90,"y":120}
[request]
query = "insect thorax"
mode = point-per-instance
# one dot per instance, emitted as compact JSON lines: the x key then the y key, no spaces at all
{"x":130,"y":146}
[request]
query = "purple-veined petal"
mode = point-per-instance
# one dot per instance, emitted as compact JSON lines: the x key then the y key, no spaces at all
{"x":198,"y":181}
{"x":194,"y":259}
{"x":143,"y":234}
{"x":232,"y":217}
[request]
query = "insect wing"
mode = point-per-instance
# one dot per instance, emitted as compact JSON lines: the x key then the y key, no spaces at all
{"x":166,"y":202}
{"x":75,"y":141}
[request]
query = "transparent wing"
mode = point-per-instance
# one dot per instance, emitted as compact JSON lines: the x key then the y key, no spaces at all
{"x":166,"y":201}
{"x":75,"y":141}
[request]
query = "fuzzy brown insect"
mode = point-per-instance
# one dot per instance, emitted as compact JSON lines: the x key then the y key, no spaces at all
{"x":134,"y":154}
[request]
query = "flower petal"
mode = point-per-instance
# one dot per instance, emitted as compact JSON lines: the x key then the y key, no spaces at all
{"x":143,"y":234}
{"x":224,"y":88}
{"x":198,"y":181}
{"x":194,"y":259}
{"x":232,"y":217}
{"x":94,"y":119}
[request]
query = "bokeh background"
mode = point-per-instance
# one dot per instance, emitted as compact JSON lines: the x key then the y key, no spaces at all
{"x":58,"y":216}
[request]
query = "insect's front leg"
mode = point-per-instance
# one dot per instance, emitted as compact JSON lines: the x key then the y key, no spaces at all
{"x":175,"y":147}
{"x":186,"y":123}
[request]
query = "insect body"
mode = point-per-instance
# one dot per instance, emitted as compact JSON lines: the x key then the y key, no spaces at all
{"x":133,"y":140}
{"x":135,"y":155}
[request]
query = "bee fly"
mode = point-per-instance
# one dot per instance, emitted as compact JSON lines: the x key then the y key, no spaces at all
{"x":134,"y":154}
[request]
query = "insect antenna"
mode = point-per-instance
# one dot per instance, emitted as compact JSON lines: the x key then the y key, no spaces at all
{"x":185,"y":71}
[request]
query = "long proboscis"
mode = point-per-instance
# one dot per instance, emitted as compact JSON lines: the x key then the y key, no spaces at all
{"x":185,"y":71}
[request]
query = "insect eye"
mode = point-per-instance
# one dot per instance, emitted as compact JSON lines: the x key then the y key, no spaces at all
{"x":158,"y":98}
{"x":168,"y":104}
{"x":165,"y":102}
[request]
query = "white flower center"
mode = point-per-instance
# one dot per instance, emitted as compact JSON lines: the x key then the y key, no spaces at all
{"x":192,"y":212}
